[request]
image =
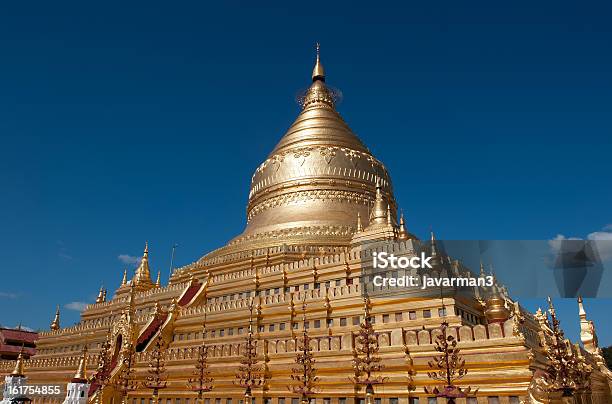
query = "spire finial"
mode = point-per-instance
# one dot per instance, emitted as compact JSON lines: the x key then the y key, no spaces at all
{"x":402,"y":234}
{"x":158,"y":281}
{"x":379,"y":211}
{"x":100,"y":297}
{"x":80,"y":376}
{"x":55,"y":324}
{"x":18,"y":371}
{"x":551,"y":307}
{"x":318,"y":73}
{"x":434,"y":249}
{"x":142,"y":275}
{"x":124,"y":280}
{"x":389,"y":221}
{"x":581,"y":311}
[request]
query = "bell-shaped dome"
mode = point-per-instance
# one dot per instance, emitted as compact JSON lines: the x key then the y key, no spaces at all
{"x":315,"y":181}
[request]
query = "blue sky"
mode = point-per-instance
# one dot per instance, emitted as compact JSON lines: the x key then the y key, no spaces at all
{"x":125,"y":122}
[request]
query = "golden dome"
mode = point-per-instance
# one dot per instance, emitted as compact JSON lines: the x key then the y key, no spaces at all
{"x":316,"y":180}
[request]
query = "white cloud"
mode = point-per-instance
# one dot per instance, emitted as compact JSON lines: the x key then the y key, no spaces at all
{"x":8,"y":295}
{"x":602,"y":241}
{"x":128,"y":259}
{"x":65,"y":256}
{"x":63,"y":252}
{"x":555,"y":243}
{"x":77,"y":306}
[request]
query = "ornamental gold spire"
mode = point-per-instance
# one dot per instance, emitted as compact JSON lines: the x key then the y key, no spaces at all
{"x":100,"y":297}
{"x":158,"y":281}
{"x":80,"y":375}
{"x":434,"y":248}
{"x":18,"y":371}
{"x":436,"y":258}
{"x":379,"y":212}
{"x":402,"y":234}
{"x":55,"y":324}
{"x":124,"y":280}
{"x":359,"y":225}
{"x":318,"y":72}
{"x":142,"y":275}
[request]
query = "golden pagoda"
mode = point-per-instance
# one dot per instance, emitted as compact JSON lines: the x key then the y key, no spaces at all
{"x":319,"y":205}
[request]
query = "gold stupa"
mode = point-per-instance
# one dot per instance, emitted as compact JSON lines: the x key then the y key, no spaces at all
{"x":319,"y":206}
{"x":311,"y":187}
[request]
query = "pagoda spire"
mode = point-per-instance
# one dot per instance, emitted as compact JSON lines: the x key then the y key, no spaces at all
{"x":158,"y":281}
{"x":402,"y":234}
{"x":142,"y":275}
{"x":581,"y":312}
{"x":434,"y":248}
{"x":80,"y":374}
{"x":379,"y":212}
{"x":100,"y":297}
{"x":588,"y":336}
{"x":318,"y":72}
{"x":18,"y":370}
{"x":55,"y":324}
{"x":359,"y":224}
{"x":436,"y":257}
{"x":124,"y":280}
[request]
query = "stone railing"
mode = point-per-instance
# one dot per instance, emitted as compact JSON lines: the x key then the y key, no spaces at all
{"x":71,"y":361}
{"x":464,"y":333}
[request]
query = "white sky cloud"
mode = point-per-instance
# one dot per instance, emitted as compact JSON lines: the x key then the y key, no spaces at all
{"x":8,"y":295}
{"x":77,"y":306}
{"x":602,"y":238}
{"x":129,"y":259}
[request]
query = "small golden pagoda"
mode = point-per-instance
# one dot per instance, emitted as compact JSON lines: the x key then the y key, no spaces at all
{"x":319,"y":205}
